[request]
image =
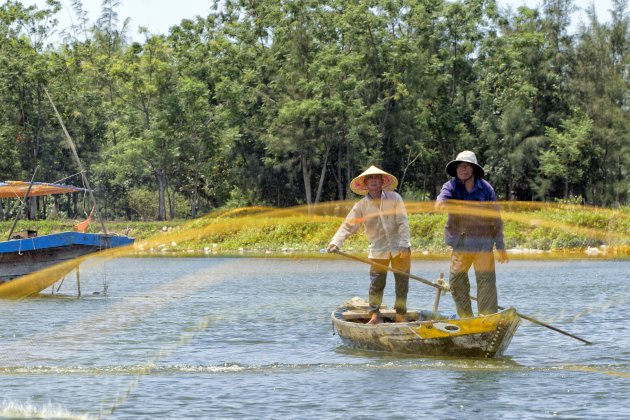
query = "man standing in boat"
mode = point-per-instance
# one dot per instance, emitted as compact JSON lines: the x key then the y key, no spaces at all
{"x":472,"y":230}
{"x":383,"y":214}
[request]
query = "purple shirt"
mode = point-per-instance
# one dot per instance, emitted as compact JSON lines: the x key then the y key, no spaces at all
{"x":469,"y":230}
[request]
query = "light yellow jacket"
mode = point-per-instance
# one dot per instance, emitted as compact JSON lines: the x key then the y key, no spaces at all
{"x":385,"y":221}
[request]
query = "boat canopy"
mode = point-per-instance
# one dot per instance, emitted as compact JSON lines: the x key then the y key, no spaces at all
{"x":18,"y":189}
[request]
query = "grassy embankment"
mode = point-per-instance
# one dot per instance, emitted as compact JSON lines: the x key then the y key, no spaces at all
{"x":532,"y":230}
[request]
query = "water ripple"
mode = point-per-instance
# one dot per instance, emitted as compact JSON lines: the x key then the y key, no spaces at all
{"x":464,"y":365}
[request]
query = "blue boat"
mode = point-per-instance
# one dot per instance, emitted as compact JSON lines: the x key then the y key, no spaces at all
{"x":25,"y":252}
{"x":19,"y":257}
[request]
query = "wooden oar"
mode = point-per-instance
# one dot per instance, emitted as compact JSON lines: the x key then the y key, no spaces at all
{"x":445,"y":288}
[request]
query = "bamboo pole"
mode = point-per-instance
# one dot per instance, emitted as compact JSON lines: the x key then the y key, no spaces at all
{"x":77,"y":160}
{"x":445,"y":288}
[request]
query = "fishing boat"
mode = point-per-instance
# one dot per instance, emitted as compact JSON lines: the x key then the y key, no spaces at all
{"x":19,"y":257}
{"x":425,"y":334}
{"x":26,"y":252}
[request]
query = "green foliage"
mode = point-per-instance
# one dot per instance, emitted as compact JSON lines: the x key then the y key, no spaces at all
{"x":283,"y":103}
{"x":145,"y":204}
{"x":567,"y":154}
{"x":427,"y":232}
{"x":239,"y":198}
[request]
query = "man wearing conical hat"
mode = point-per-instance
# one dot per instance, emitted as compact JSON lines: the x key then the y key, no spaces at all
{"x":384,"y":217}
{"x":472,"y":230}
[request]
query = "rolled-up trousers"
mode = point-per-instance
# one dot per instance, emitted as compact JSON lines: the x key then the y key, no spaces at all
{"x":378,"y":279}
{"x":483,"y":262}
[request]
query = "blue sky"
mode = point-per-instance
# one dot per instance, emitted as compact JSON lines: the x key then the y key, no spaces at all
{"x":159,"y":15}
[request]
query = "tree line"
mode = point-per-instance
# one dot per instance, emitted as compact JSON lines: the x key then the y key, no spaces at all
{"x":283,"y":102}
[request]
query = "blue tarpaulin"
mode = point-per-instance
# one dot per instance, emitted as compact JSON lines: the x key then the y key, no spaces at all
{"x":63,"y":239}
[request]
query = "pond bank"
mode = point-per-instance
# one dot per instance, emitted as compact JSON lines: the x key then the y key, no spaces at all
{"x":559,"y":232}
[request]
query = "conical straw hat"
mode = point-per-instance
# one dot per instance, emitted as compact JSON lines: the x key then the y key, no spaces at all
{"x":358,"y":185}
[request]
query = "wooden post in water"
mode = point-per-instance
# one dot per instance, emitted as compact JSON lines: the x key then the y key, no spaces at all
{"x":78,"y":283}
{"x":60,"y":284}
{"x":438,"y":291}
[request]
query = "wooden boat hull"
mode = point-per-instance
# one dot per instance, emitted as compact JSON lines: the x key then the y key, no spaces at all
{"x":24,"y":256}
{"x":485,"y":336}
